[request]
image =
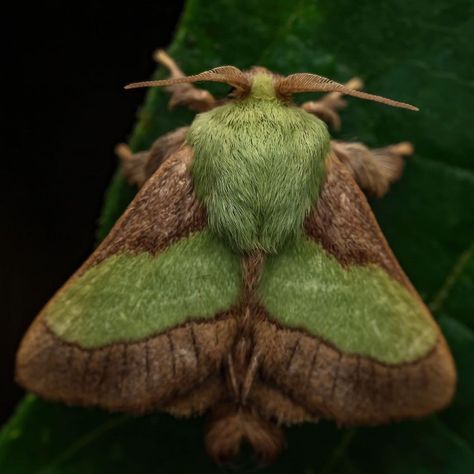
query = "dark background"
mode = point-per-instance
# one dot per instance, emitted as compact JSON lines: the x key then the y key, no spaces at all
{"x":64,"y":109}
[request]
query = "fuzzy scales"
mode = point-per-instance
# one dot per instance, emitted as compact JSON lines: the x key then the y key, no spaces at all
{"x":258,"y":167}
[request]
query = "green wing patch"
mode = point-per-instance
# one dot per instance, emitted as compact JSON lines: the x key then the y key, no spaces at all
{"x":359,"y":309}
{"x":127,"y":297}
{"x":258,"y":166}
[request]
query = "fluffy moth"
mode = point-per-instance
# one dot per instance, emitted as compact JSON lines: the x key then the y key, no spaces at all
{"x":248,"y":279}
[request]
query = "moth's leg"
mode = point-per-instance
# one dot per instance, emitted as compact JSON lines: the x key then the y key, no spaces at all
{"x":133,"y":164}
{"x":185,"y":94}
{"x":328,"y":106}
{"x":138,"y":167}
{"x":373,"y":169}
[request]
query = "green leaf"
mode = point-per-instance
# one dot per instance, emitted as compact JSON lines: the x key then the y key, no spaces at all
{"x":419,"y":52}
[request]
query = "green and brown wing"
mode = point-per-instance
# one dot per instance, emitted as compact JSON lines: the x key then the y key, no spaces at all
{"x":148,"y":317}
{"x":346,"y":335}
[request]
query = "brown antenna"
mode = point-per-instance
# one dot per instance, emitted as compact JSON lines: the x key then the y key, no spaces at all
{"x":226,"y":74}
{"x":305,"y":82}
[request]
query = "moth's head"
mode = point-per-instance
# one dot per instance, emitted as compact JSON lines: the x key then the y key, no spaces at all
{"x":262,"y":84}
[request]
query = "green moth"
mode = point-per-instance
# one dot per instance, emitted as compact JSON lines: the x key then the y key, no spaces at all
{"x":247,"y":279}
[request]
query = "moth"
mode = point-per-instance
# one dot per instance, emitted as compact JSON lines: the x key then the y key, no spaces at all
{"x":248,"y":279}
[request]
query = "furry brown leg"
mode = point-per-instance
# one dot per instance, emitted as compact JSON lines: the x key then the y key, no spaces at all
{"x":374,"y":170}
{"x":185,"y":94}
{"x":328,"y":106}
{"x":133,"y":164}
{"x":138,"y":167}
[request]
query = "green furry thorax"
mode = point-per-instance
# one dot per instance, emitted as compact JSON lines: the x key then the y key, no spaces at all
{"x":258,"y":166}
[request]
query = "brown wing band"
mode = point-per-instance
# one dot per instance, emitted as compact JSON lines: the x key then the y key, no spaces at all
{"x":165,"y":210}
{"x":133,"y":377}
{"x":343,"y":223}
{"x":353,"y":389}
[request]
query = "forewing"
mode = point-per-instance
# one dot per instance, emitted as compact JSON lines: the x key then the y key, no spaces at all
{"x":149,"y":316}
{"x":346,"y":334}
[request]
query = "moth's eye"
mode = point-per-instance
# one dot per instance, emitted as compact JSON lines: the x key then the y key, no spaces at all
{"x":232,"y":92}
{"x":237,"y":92}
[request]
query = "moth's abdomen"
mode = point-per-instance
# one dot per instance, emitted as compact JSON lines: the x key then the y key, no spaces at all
{"x":257,"y":168}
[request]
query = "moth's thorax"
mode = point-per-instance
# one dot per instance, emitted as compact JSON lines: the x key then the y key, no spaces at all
{"x":258,"y":165}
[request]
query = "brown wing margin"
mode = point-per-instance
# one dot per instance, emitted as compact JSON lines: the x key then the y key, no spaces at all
{"x":350,"y":388}
{"x":140,"y":376}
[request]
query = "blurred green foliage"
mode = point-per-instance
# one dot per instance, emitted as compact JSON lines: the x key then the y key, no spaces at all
{"x":419,"y":52}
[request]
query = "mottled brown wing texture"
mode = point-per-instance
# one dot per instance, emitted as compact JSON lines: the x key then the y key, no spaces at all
{"x":352,"y":387}
{"x":59,"y":362}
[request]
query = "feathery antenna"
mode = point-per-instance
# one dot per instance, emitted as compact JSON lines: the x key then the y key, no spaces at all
{"x":305,"y":82}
